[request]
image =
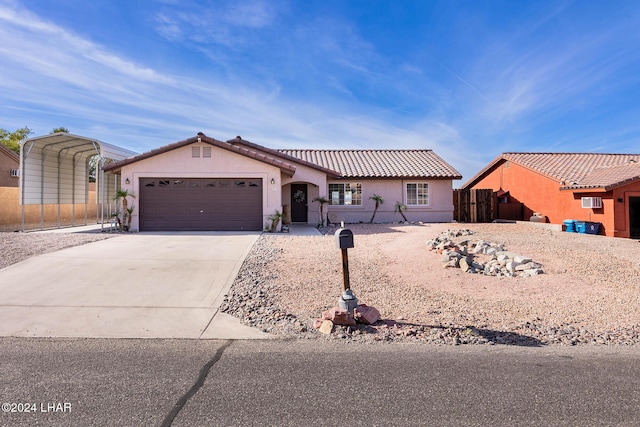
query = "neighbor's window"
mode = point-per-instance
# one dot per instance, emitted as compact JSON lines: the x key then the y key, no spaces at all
{"x":345,"y":194}
{"x":418,"y":193}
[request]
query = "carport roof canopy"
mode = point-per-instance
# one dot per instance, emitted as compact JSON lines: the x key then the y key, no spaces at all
{"x":54,"y":168}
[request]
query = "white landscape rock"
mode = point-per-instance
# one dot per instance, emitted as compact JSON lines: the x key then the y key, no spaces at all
{"x":464,"y":255}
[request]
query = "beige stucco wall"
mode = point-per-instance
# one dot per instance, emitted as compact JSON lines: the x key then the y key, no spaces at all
{"x":316,"y":187}
{"x":178,"y":163}
{"x":440,"y":208}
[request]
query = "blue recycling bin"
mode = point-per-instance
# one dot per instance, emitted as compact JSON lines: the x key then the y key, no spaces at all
{"x":569,"y":225}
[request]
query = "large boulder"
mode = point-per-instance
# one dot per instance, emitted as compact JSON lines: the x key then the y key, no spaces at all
{"x":365,"y":314}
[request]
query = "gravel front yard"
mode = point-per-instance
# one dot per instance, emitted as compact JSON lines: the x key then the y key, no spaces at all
{"x":16,"y":247}
{"x":589,"y":292}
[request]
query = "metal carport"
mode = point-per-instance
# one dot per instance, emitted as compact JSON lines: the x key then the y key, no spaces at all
{"x":54,"y":171}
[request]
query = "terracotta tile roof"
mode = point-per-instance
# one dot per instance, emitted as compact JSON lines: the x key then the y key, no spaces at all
{"x":379,"y":163}
{"x":573,"y":170}
{"x":608,"y":177}
{"x":281,"y":154}
{"x":335,"y":163}
{"x":285,"y":167}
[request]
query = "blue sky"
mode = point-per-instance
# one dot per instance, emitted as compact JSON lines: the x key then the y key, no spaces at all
{"x":468,"y":79}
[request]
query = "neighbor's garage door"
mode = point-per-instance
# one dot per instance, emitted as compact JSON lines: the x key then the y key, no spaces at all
{"x":188,"y":204}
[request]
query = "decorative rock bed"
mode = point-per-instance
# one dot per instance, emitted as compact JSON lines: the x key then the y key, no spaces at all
{"x":481,"y":257}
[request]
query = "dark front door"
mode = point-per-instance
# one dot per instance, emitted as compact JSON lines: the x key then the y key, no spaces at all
{"x":299,"y":203}
{"x":634,"y":217}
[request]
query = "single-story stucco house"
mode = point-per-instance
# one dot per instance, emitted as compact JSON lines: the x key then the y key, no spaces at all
{"x":202,"y":183}
{"x":586,"y":187}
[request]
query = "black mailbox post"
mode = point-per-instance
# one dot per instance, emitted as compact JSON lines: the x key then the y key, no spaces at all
{"x":344,"y":238}
{"x":344,"y":241}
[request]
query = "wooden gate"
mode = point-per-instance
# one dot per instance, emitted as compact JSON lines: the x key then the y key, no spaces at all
{"x":477,"y":205}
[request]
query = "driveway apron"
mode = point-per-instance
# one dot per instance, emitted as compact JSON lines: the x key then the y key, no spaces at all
{"x":144,"y":285}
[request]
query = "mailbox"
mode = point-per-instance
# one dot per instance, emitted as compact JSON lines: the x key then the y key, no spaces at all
{"x":344,"y":238}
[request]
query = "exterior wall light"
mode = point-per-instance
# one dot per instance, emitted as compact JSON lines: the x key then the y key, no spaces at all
{"x":273,"y":181}
{"x":127,"y":181}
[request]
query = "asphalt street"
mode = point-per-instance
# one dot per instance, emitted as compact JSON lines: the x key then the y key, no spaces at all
{"x":285,"y":383}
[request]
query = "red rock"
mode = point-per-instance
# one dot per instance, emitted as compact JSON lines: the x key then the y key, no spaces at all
{"x":339,"y":317}
{"x":365,"y":314}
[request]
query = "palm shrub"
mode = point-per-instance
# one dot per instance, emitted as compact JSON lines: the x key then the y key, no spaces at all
{"x":129,"y":214}
{"x":401,"y":208}
{"x":121,"y":197}
{"x":275,"y":219}
{"x":323,"y":201}
{"x":379,"y":200}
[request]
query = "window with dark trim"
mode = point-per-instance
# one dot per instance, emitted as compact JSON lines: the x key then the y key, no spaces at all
{"x":346,"y":194}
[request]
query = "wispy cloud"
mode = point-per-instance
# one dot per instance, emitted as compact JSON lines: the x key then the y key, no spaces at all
{"x":545,"y":73}
{"x":312,"y":77}
{"x":103,"y":84}
{"x":211,"y":23}
{"x":55,"y":49}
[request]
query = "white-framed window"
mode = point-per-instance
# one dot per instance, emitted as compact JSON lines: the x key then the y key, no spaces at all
{"x":418,"y":193}
{"x":346,"y":194}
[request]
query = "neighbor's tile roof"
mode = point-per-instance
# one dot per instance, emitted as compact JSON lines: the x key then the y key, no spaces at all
{"x":608,"y":177}
{"x":9,"y":152}
{"x":574,"y":170}
{"x":379,"y":163}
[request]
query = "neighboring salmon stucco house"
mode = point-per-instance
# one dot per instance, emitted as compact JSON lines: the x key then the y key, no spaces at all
{"x":201,"y":183}
{"x":593,"y":187}
{"x":9,"y":166}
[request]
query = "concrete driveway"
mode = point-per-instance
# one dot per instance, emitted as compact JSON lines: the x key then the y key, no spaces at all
{"x":144,"y":285}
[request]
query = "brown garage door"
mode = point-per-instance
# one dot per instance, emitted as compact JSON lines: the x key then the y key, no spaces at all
{"x":200,"y":204}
